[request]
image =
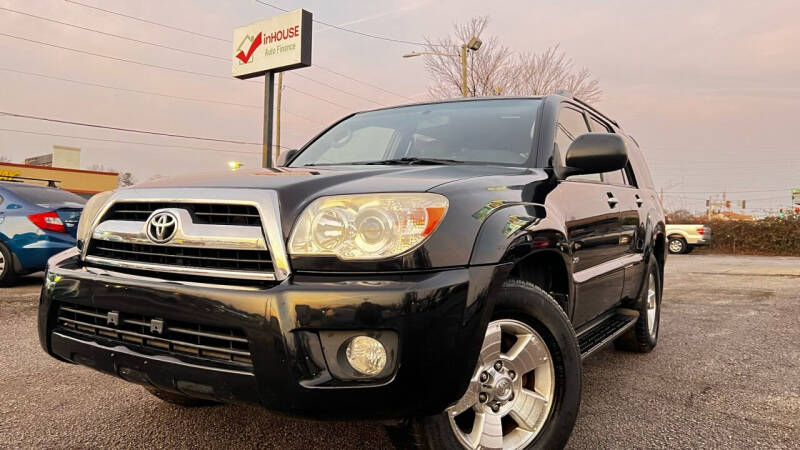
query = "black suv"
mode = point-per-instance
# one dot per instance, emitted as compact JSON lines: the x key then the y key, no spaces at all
{"x":441,"y":266}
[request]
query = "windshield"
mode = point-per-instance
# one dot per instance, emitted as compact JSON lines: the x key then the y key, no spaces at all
{"x":46,"y":196}
{"x":481,"y":131}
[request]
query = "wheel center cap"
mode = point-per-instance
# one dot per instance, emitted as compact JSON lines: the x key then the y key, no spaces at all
{"x":502,"y":390}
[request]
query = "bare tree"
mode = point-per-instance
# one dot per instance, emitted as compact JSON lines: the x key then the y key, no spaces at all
{"x":551,"y":70}
{"x":494,"y":69}
{"x":125,"y":178}
{"x":4,"y":158}
{"x":488,"y":68}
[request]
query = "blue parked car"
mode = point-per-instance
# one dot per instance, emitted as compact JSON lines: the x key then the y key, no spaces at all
{"x":36,"y":222}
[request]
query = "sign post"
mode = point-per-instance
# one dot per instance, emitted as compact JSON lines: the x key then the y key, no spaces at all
{"x":268,"y":47}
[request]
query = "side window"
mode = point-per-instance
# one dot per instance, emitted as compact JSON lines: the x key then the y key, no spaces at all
{"x":571,"y":124}
{"x":618,"y":176}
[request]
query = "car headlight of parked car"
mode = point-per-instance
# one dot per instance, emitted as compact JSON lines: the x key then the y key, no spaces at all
{"x":366,"y":226}
{"x":90,"y":212}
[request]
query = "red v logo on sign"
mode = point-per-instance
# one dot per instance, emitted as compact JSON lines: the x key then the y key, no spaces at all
{"x":245,"y":58}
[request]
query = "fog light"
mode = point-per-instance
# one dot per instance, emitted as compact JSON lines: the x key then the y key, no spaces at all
{"x":366,"y":355}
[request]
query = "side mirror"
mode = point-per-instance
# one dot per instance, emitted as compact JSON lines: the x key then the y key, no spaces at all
{"x":595,"y":153}
{"x":286,"y":156}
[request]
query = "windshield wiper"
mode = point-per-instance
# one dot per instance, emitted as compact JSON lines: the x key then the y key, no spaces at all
{"x":413,"y":161}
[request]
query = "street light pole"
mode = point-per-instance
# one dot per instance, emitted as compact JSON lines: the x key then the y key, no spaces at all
{"x":474,"y":44}
{"x":464,"y":90}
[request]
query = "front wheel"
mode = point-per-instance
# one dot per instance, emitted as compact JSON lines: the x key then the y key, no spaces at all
{"x":525,"y":391}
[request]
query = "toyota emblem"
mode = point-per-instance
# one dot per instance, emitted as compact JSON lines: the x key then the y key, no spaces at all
{"x":161,"y":227}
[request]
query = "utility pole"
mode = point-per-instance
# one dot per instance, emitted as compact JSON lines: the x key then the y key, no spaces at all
{"x":278,"y":117}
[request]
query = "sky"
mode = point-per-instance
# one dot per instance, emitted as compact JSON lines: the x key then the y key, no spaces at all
{"x":710,"y":89}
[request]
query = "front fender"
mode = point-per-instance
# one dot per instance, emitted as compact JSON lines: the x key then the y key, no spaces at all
{"x":515,"y":230}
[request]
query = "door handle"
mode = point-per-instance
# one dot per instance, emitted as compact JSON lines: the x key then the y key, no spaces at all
{"x":612,"y":201}
{"x":639,"y":201}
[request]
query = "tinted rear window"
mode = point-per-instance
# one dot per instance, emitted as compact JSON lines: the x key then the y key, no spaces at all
{"x":42,"y":195}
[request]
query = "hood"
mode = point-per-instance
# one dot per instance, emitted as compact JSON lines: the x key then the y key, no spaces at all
{"x":296,"y":187}
{"x":331,"y":180}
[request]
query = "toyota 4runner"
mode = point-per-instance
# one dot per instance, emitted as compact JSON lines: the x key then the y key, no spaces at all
{"x":442,"y":266}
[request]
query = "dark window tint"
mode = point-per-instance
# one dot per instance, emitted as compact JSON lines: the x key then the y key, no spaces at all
{"x":45,"y":196}
{"x":571,"y":124}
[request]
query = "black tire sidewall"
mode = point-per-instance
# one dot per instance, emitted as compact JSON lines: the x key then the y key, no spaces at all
{"x":645,"y":341}
{"x":8,"y":275}
{"x":527,"y":303}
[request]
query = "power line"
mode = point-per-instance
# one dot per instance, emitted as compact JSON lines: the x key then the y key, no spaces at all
{"x":374,"y":86}
{"x":349,"y":77}
{"x":113,"y":35}
{"x":348,"y":30}
{"x":329,"y":86}
{"x":128,"y":142}
{"x":156,"y":66}
{"x":129,"y":130}
{"x":176,"y":49}
{"x":157,"y":94}
{"x":148,"y":21}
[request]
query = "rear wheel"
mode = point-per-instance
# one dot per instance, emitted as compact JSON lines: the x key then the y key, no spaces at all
{"x":7,"y":273}
{"x":643,"y":337}
{"x":525,"y":391}
{"x":677,"y":245}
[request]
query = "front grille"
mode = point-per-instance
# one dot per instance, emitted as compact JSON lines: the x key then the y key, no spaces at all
{"x":202,"y":342}
{"x":202,"y":213}
{"x":204,"y":258}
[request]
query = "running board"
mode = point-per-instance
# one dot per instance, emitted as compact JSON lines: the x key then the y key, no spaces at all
{"x":606,"y":330}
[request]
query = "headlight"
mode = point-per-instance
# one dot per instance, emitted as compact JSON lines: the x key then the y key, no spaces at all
{"x":90,"y":211}
{"x":366,"y":226}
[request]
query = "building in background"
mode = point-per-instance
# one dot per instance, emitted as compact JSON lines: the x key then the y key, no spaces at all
{"x":63,"y":157}
{"x":62,"y":169}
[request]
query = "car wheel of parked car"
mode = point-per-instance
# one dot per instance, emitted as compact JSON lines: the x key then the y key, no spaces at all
{"x":643,"y":337}
{"x":677,"y":245}
{"x":180,"y":400}
{"x":7,"y":273}
{"x":526,"y":389}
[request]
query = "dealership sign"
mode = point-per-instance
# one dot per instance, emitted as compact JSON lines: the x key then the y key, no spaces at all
{"x":272,"y":45}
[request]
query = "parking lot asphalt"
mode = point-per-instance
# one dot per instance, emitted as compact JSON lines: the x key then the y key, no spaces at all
{"x":725,"y":374}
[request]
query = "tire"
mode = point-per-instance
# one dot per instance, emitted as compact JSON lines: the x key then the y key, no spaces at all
{"x":677,"y":245}
{"x":8,"y":274}
{"x":521,"y":308}
{"x":643,"y":337}
{"x":180,"y":400}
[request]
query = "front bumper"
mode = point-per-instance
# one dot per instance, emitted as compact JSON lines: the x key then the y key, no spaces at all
{"x":438,"y":317}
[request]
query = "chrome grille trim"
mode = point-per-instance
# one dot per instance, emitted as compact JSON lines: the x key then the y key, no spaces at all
{"x":233,"y":237}
{"x":265,"y":201}
{"x":196,"y":271}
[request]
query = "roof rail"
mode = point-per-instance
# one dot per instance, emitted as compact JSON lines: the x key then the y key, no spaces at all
{"x":594,"y":110}
{"x":18,"y":179}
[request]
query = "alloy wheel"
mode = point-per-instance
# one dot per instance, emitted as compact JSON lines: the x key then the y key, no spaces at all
{"x":2,"y":265}
{"x":675,"y":246}
{"x":652,"y":305}
{"x":510,"y":396}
